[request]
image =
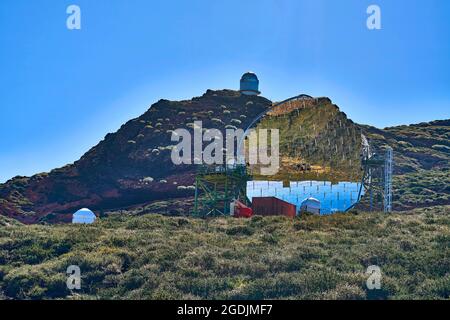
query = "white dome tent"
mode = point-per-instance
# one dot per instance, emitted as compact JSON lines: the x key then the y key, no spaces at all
{"x":84,"y":216}
{"x":310,"y":205}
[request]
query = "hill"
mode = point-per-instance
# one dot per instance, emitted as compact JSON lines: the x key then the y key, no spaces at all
{"x":422,"y":162}
{"x":132,"y":168}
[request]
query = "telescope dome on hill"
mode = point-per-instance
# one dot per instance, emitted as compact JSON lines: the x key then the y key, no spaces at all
{"x":250,"y":84}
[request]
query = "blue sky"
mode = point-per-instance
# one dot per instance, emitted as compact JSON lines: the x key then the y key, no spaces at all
{"x":62,"y":91}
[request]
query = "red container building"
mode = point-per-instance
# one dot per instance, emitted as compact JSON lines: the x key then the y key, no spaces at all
{"x":271,"y":206}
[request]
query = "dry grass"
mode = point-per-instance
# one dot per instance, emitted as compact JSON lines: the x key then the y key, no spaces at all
{"x":156,"y":257}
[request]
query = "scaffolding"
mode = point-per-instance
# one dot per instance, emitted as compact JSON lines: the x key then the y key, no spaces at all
{"x":377,"y":179}
{"x":217,"y":186}
{"x":388,"y":171}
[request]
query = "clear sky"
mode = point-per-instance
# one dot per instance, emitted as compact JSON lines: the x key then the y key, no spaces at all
{"x":62,"y":91}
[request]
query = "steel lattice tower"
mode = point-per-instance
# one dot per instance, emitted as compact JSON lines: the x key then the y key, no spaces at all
{"x":388,"y":171}
{"x":217,"y":186}
{"x":377,"y":177}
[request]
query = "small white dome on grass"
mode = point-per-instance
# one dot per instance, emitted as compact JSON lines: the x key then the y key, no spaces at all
{"x":84,"y":216}
{"x":310,"y":205}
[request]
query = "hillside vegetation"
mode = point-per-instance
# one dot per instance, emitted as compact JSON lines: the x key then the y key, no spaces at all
{"x":157,"y":257}
{"x":316,"y":135}
{"x":422,"y":162}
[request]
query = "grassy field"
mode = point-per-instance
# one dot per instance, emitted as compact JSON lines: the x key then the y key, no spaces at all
{"x":157,"y":257}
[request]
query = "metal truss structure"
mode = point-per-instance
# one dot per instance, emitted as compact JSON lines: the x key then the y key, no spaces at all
{"x":217,"y":186}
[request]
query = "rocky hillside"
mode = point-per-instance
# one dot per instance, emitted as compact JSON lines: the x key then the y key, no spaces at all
{"x":422,"y":162}
{"x":131,"y":166}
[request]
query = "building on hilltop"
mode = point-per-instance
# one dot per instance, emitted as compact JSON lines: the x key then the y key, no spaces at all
{"x":250,"y":84}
